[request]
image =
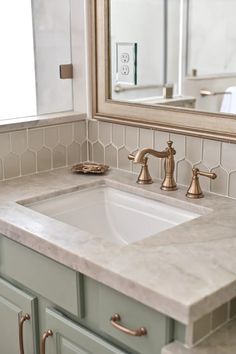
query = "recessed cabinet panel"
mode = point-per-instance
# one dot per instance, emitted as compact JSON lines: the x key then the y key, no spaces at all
{"x":68,"y":347}
{"x":70,"y":338}
{"x":46,"y":277}
{"x":14,"y":304}
{"x":9,"y":326}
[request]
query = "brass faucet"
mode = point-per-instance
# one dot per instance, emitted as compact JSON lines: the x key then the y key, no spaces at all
{"x":144,"y":177}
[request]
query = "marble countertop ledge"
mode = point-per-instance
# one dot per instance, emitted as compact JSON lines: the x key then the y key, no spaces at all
{"x":184,"y":272}
{"x":221,"y":342}
{"x":8,"y":125}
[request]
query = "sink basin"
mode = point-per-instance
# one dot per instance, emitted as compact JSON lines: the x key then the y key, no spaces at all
{"x":118,"y":216}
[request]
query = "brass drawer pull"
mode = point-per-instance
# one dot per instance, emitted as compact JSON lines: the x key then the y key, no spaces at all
{"x":23,"y":318}
{"x":46,"y":334}
{"x":136,"y":332}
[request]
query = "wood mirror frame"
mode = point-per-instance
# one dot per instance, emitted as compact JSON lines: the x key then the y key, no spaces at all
{"x":178,"y":120}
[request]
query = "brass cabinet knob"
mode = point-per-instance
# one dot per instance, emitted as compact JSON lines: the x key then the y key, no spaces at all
{"x":195,"y":190}
{"x":23,"y":319}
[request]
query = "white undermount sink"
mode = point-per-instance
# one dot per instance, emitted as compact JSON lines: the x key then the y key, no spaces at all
{"x":118,"y":216}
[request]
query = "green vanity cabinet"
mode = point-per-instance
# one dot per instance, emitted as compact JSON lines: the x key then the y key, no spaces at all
{"x":70,"y":338}
{"x":17,"y":310}
{"x":76,"y":308}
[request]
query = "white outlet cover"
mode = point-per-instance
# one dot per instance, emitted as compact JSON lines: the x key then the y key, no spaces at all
{"x":126,"y":63}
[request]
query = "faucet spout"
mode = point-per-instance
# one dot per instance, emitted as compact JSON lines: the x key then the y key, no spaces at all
{"x":168,"y":183}
{"x":139,"y":157}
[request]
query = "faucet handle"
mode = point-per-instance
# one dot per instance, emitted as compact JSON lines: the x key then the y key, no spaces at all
{"x":131,"y":157}
{"x":195,"y":190}
{"x":170,"y":148}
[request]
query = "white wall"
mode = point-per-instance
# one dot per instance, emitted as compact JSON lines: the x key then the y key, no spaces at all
{"x":52,"y":32}
{"x":139,"y":22}
{"x":173,"y":40}
{"x":60,"y":30}
{"x":212,"y":36}
{"x":143,"y":22}
{"x":210,"y":50}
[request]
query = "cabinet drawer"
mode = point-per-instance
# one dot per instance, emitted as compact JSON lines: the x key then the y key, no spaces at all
{"x":52,"y":280}
{"x":69,"y":337}
{"x":133,"y":315}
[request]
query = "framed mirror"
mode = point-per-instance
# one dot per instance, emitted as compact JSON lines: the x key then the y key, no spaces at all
{"x":168,"y":64}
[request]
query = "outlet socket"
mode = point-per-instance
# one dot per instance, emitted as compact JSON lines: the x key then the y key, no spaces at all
{"x":126,"y":63}
{"x":124,"y":57}
{"x":124,"y":70}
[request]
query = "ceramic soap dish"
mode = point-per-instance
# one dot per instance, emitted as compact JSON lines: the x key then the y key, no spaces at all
{"x":90,"y":167}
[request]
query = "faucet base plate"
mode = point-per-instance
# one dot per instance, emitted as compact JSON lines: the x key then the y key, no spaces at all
{"x":149,"y":181}
{"x":194,"y":196}
{"x":163,"y":188}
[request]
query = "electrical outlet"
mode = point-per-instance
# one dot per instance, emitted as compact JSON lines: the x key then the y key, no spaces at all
{"x":126,"y":63}
{"x":124,"y":57}
{"x":124,"y":70}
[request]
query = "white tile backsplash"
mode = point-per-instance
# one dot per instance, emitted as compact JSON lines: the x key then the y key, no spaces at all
{"x":39,"y":149}
{"x":114,"y":143}
{"x":29,"y":151}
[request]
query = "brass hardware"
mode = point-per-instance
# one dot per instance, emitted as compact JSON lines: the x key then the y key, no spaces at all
{"x":23,"y":318}
{"x":168,"y":91}
{"x":122,"y":88}
{"x":195,"y":190}
{"x":46,"y":334}
{"x":168,"y":183}
{"x":66,"y":71}
{"x":205,"y":93}
{"x":139,"y":332}
{"x":90,"y":167}
{"x":144,"y":176}
{"x":194,"y":72}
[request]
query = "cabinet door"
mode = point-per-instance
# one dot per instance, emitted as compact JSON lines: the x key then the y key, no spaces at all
{"x":14,"y":304}
{"x":70,"y":338}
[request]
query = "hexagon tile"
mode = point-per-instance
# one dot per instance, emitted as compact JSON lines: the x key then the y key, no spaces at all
{"x":44,"y":159}
{"x":115,"y":142}
{"x":11,"y":165}
{"x":29,"y":151}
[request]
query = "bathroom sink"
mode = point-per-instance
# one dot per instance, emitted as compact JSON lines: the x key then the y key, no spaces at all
{"x":118,"y":216}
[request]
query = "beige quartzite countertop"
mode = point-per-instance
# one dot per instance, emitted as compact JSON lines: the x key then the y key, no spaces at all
{"x":184,"y":272}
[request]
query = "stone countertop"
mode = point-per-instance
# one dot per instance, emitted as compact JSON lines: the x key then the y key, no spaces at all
{"x":221,"y":342}
{"x":184,"y":272}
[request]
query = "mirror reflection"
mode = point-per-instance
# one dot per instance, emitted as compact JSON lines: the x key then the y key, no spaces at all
{"x":177,"y":53}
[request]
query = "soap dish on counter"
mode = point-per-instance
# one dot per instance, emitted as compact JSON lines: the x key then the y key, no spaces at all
{"x":90,"y":167}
